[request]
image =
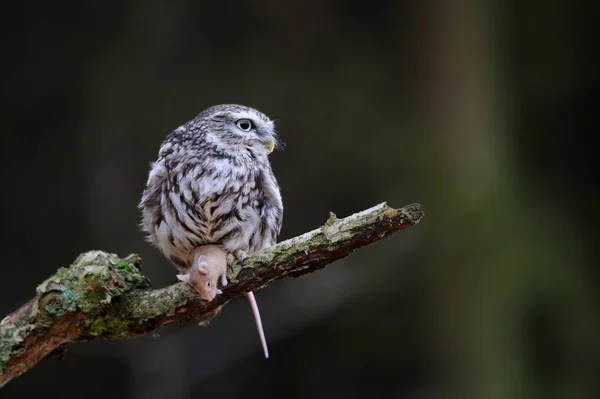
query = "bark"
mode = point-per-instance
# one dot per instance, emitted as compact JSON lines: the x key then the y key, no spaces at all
{"x":101,"y":296}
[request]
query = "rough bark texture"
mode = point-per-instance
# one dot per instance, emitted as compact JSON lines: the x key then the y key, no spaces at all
{"x":101,"y":296}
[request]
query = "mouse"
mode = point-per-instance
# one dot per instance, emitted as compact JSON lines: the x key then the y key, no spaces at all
{"x":210,"y":267}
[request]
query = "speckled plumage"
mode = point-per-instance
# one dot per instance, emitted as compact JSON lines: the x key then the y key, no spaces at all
{"x":213,"y":184}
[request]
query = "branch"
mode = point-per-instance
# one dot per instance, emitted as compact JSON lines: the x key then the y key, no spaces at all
{"x":103,"y":297}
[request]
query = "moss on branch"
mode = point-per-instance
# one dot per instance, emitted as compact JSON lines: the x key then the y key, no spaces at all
{"x":101,"y":296}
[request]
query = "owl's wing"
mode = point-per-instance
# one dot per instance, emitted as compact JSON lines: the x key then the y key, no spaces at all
{"x":271,"y":219}
{"x":271,"y":212}
{"x":150,"y":204}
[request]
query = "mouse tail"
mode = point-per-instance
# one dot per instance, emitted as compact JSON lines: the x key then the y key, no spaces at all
{"x":259,"y":327}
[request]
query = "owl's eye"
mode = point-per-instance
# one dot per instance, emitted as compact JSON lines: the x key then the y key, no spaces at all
{"x":244,"y":124}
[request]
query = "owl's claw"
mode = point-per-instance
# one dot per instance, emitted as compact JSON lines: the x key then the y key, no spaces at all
{"x":239,"y":255}
{"x":230,"y":260}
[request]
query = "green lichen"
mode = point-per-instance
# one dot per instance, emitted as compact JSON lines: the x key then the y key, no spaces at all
{"x":4,"y":358}
{"x":88,"y":285}
{"x":301,"y":247}
{"x":109,"y":326}
{"x":61,"y":273}
{"x":7,"y":342}
{"x":331,"y":220}
{"x":140,"y":306}
{"x":412,"y":212}
{"x":119,"y":328}
{"x":5,"y":350}
{"x":91,"y":300}
{"x":98,"y":326}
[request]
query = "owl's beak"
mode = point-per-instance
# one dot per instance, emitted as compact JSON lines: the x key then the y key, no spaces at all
{"x":270,"y":144}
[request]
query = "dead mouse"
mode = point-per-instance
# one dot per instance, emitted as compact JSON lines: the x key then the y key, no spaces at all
{"x":210,"y":266}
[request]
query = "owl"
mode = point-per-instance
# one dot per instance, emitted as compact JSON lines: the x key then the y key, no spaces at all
{"x":213,"y":184}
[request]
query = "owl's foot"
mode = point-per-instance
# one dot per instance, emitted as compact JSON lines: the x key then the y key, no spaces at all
{"x":239,"y":255}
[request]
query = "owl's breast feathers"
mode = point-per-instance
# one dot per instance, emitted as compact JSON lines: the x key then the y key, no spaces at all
{"x":222,"y":199}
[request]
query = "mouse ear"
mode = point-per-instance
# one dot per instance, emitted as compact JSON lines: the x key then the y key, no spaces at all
{"x":184,"y":277}
{"x":203,"y":265}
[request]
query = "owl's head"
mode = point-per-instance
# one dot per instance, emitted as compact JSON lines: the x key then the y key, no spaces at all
{"x":234,"y":125}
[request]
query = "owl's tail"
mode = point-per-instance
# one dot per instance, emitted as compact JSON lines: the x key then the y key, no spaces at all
{"x":259,"y":327}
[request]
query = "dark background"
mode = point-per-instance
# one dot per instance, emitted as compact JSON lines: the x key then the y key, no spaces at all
{"x":484,"y":112}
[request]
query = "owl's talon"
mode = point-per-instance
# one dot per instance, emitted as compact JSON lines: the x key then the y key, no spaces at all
{"x":230,"y":260}
{"x":241,"y":255}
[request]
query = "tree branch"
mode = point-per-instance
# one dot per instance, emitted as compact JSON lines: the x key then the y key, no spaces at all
{"x":103,"y":297}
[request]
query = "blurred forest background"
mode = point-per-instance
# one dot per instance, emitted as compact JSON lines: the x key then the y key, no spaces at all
{"x":484,"y":112}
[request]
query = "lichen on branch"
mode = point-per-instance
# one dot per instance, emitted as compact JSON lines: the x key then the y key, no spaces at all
{"x":101,"y":296}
